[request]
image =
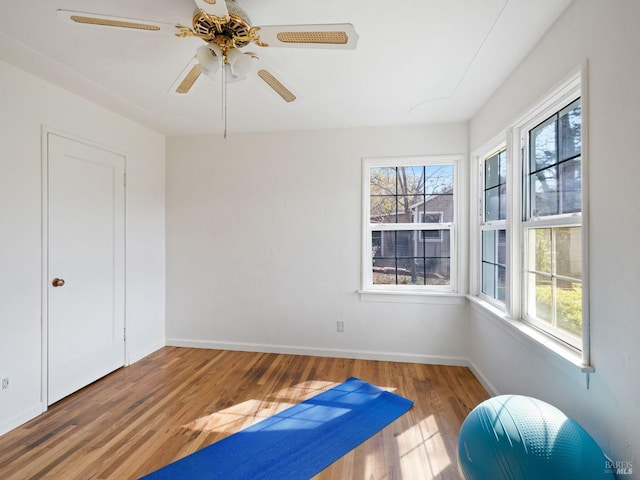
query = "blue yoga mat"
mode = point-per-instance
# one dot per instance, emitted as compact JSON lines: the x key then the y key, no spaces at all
{"x":298,"y":442}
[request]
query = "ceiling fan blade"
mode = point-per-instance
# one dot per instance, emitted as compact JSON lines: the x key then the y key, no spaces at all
{"x":336,"y":35}
{"x":276,"y":85}
{"x":120,"y":22}
{"x":187,"y":78}
{"x":267,"y":76}
{"x":217,"y":8}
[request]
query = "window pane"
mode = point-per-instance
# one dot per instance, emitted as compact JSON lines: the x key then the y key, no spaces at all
{"x":503,"y":203}
{"x":382,"y":209}
{"x":571,"y":175}
{"x":411,"y":180}
{"x":438,"y":271}
{"x":569,"y":252}
{"x":489,"y":279}
{"x":492,"y":204}
{"x":543,"y":145}
{"x":488,"y":246}
{"x":376,"y":244}
{"x":385,"y":274}
{"x":437,"y":243}
{"x":416,"y":208}
{"x":443,"y":205}
{"x":501,"y":283}
{"x":383,"y":245}
{"x":502,"y":247}
{"x":382,"y":181}
{"x":544,"y":188}
{"x":408,"y":272}
{"x":571,"y":131}
{"x":404,"y":243}
{"x":569,"y":307}
{"x":492,"y":171}
{"x":539,"y":248}
{"x":438,"y":179}
{"x":503,"y":166}
{"x":539,"y":303}
{"x":432,"y":217}
{"x":495,"y":191}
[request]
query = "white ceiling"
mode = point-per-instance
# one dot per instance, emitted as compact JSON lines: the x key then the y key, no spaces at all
{"x":417,"y":61}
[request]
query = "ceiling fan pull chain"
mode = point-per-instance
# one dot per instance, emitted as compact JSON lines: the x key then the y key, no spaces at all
{"x":224,"y":97}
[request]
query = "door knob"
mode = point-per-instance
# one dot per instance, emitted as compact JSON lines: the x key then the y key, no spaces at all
{"x":57,"y":282}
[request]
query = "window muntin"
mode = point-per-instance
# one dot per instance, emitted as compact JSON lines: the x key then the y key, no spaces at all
{"x":552,"y":225}
{"x":409,"y":224}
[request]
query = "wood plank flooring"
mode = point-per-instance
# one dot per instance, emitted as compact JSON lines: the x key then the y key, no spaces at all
{"x":178,"y":400}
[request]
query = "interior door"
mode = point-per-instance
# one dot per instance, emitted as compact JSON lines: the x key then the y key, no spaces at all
{"x":85,"y":264}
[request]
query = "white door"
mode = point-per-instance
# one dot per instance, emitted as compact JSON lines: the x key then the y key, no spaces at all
{"x":85,"y":264}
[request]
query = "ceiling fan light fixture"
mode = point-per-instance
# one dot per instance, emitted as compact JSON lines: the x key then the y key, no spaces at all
{"x":239,"y":63}
{"x":209,"y":60}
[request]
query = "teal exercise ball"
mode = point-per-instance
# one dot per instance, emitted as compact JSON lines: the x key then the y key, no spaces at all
{"x":513,"y":437}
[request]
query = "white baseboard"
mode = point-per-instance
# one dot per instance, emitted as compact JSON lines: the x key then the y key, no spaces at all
{"x":484,"y":381}
{"x":321,"y":352}
{"x":23,"y":417}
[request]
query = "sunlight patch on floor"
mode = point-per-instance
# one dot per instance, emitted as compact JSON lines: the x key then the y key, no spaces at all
{"x":422,"y":444}
{"x":245,"y":414}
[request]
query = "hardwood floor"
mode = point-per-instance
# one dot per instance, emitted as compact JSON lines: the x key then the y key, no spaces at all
{"x":178,"y":400}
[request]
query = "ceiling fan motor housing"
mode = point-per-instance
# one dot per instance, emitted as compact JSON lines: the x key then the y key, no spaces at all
{"x":239,"y":24}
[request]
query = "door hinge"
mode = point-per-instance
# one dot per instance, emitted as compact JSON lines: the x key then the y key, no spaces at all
{"x":124,"y":179}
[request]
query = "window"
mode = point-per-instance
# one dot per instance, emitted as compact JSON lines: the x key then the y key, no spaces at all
{"x":409,"y":218}
{"x":493,"y":215}
{"x":529,"y":240}
{"x":552,"y":223}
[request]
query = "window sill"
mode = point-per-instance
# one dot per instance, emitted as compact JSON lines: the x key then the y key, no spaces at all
{"x":561,"y":354}
{"x":394,"y":296}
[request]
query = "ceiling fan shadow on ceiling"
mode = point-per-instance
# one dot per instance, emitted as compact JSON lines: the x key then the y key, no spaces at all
{"x":226,"y":30}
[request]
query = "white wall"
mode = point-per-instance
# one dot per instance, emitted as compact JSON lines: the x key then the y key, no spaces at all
{"x":606,"y":33}
{"x":26,"y":104}
{"x":263,"y":246}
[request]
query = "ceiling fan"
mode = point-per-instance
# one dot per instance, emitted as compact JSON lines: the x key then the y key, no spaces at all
{"x":226,"y":30}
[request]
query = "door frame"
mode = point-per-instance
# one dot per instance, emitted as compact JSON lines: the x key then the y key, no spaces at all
{"x":44,"y":260}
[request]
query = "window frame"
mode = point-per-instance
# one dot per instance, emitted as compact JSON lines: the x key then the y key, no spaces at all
{"x":367,"y":285}
{"x":574,"y":86}
{"x":531,"y":221}
{"x":490,"y":225}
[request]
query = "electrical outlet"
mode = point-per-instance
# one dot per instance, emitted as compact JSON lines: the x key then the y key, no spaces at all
{"x":340,"y":326}
{"x":5,"y":384}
